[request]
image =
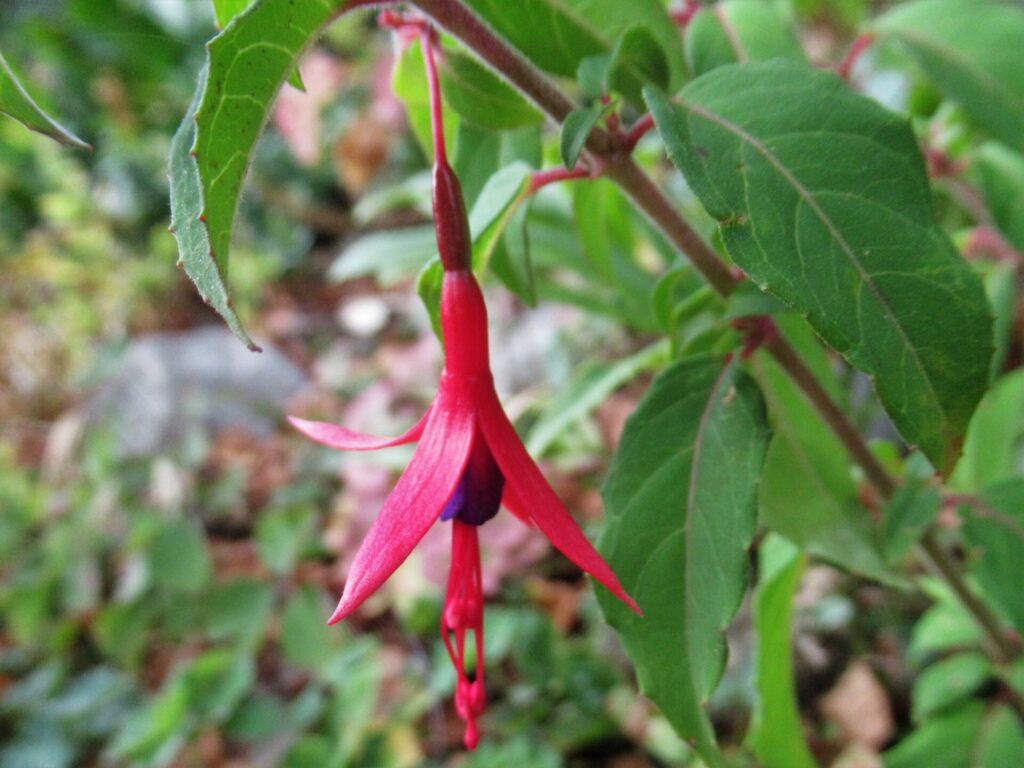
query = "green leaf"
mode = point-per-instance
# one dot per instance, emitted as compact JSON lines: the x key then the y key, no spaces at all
{"x":947,"y":740}
{"x":994,"y":528}
{"x":994,"y":449}
{"x":970,"y":51}
{"x":281,"y":536}
{"x":776,"y":734}
{"x":428,"y":288}
{"x":906,"y":516}
{"x":1002,"y":739}
{"x":556,"y":35}
{"x":586,"y":392}
{"x":948,"y":682}
{"x":575,"y":130}
{"x":178,"y":557}
{"x":211,"y":151}
{"x":822,"y":198}
{"x":1001,"y":173}
{"x":680,"y":508}
{"x":636,"y":61}
{"x":238,"y":609}
{"x":306,"y":640}
{"x":480,"y":97}
{"x":1000,"y":279}
{"x":807,"y":490}
{"x":943,"y":627}
{"x":16,"y":103}
{"x":738,"y":31}
{"x":389,"y":255}
{"x":225,"y":10}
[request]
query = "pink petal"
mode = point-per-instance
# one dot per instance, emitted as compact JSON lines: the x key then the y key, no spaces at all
{"x":529,"y":492}
{"x":416,"y":501}
{"x":343,"y":439}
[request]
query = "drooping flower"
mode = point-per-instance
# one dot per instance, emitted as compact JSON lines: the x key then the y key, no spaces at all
{"x":469,"y":461}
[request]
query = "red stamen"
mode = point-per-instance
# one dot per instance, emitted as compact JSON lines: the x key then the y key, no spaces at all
{"x":464,"y":611}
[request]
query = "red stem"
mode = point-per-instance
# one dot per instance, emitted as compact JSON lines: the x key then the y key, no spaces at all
{"x":541,"y":179}
{"x":861,"y":44}
{"x":434,"y":84}
{"x":637,"y":131}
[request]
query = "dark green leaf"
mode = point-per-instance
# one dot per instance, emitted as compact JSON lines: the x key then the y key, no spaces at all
{"x":428,"y":288}
{"x":807,"y":492}
{"x":994,"y":527}
{"x":822,"y":198}
{"x":738,"y":31}
{"x":994,"y":449}
{"x":776,"y":734}
{"x":913,"y":508}
{"x":557,"y":35}
{"x":576,"y":129}
{"x":948,"y":682}
{"x":15,"y":102}
{"x":970,"y":50}
{"x":211,"y":151}
{"x":680,"y":506}
{"x":1000,"y":279}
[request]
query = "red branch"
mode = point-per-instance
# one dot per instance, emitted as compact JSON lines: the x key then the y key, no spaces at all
{"x":861,"y":44}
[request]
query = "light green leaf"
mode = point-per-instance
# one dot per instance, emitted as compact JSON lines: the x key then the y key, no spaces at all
{"x":994,"y":529}
{"x":306,"y":640}
{"x":1002,"y":739}
{"x":1001,"y":173}
{"x":948,"y":682}
{"x":822,"y":198}
{"x":994,"y":449}
{"x":178,"y":557}
{"x":807,"y":491}
{"x":776,"y":734}
{"x":225,"y":10}
{"x":971,"y":52}
{"x":389,"y":255}
{"x":575,"y":130}
{"x":16,"y":103}
{"x":636,"y":61}
{"x":210,"y":153}
{"x":738,"y":31}
{"x":680,"y":507}
{"x":557,"y":35}
{"x":947,"y":740}
{"x":481,"y":97}
{"x":587,"y":391}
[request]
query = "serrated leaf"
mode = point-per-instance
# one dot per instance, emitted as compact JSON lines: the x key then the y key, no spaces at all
{"x":994,"y":529}
{"x":575,"y":130}
{"x":994,"y":449}
{"x":211,"y":152}
{"x":970,"y":50}
{"x":807,"y":490}
{"x":556,"y":35}
{"x":776,"y":734}
{"x":16,"y":103}
{"x":738,"y":31}
{"x":680,"y":511}
{"x":822,"y":198}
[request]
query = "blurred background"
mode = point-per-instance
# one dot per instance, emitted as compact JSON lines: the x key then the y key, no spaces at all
{"x":169,"y":550}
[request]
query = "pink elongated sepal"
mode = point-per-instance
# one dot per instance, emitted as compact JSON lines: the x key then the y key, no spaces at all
{"x":416,"y":501}
{"x":527,"y":491}
{"x":334,"y":436}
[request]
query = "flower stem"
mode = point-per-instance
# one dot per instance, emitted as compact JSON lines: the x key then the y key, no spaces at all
{"x":434,"y":84}
{"x":603,"y":149}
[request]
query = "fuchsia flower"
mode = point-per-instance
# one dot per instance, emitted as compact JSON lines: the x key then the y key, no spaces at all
{"x":468,"y":463}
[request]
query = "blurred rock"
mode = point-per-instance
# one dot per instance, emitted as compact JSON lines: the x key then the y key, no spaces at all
{"x":168,"y":385}
{"x":859,"y":705}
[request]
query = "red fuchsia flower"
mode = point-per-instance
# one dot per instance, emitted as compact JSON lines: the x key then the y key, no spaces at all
{"x":469,"y":461}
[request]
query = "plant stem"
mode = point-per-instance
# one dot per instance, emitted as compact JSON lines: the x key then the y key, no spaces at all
{"x":619,"y":166}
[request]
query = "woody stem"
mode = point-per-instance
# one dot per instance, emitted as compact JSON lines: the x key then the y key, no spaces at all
{"x":458,"y":20}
